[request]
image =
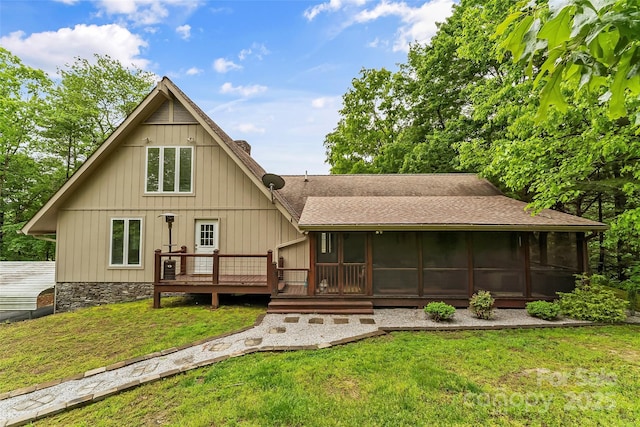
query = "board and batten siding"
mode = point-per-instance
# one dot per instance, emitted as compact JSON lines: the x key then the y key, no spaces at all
{"x":248,"y":222}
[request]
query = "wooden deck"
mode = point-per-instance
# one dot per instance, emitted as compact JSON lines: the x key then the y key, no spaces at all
{"x":233,"y":279}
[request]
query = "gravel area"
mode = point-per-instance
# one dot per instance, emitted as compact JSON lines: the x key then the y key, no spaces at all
{"x":275,"y":332}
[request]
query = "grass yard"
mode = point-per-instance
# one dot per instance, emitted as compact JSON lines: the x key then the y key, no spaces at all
{"x":58,"y":346}
{"x":552,"y":377}
{"x":549,"y":377}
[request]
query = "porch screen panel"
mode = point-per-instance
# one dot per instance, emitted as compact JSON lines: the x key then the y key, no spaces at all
{"x":498,"y":263}
{"x":395,"y":264}
{"x":554,"y":261}
{"x":353,"y":263}
{"x":327,"y":263}
{"x":445,"y":263}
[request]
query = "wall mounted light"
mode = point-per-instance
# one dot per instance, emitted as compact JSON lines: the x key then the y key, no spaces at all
{"x":191,"y":140}
{"x":146,"y":140}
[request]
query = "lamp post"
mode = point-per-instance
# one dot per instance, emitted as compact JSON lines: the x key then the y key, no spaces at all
{"x":169,"y":265}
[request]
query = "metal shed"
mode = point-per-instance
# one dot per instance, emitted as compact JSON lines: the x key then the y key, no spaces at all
{"x":22,"y":281}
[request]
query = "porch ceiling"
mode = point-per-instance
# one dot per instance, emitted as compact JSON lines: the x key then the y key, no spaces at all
{"x":434,"y":212}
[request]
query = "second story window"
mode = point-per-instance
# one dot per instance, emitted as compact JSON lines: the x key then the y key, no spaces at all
{"x":169,"y":169}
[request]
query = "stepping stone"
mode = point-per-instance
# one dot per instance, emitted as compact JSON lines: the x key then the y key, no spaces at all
{"x":34,"y":403}
{"x":85,"y":389}
{"x":183,"y":360}
{"x":144,"y":369}
{"x":291,"y":319}
{"x":316,"y":320}
{"x":366,"y":321}
{"x":219,"y":346}
{"x":250,"y":342}
{"x":278,"y":330}
{"x":341,"y":321}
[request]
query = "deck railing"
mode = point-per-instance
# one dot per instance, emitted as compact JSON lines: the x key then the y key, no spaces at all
{"x":216,"y":269}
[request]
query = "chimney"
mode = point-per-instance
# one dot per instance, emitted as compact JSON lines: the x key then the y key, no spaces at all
{"x":244,"y":145}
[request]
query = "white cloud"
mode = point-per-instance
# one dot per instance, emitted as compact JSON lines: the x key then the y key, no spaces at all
{"x":194,"y":71}
{"x":69,"y":2}
{"x":147,"y":12}
{"x":249,"y":128}
{"x":221,"y":65}
{"x":242,"y":90}
{"x":330,"y":6}
{"x":184,"y":31}
{"x":258,"y":50}
{"x":325,"y":102}
{"x":53,"y":49}
{"x":417,"y":23}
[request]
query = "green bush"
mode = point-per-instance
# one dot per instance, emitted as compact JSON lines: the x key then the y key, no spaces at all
{"x":543,"y":310}
{"x":481,"y":304}
{"x":439,"y":311}
{"x":593,"y":302}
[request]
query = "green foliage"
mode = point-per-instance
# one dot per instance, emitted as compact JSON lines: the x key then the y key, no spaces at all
{"x":588,"y":44}
{"x":47,"y":130}
{"x":481,"y":304}
{"x":543,"y":309}
{"x":632,"y":286}
{"x":440,"y":311}
{"x":590,"y":300}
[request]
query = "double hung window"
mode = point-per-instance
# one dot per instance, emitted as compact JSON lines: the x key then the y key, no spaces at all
{"x":126,"y":242}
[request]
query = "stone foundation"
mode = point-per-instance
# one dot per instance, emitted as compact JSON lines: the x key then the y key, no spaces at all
{"x":71,"y":296}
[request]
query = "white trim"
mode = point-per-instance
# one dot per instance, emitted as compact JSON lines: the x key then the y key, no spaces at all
{"x":125,"y":243}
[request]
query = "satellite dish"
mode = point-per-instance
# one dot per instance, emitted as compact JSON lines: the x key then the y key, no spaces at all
{"x":273,"y":182}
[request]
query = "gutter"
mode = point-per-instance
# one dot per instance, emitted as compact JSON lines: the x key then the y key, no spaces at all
{"x":287,"y":244}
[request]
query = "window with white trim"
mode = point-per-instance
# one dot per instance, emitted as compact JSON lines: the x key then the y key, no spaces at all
{"x":126,"y":242}
{"x":169,"y":170}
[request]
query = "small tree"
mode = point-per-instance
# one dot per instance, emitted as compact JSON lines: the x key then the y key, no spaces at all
{"x":481,"y":304}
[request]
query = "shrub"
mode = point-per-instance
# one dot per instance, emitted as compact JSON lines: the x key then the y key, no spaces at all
{"x":439,"y":311}
{"x":543,"y":310}
{"x":593,"y":302}
{"x":481,"y":304}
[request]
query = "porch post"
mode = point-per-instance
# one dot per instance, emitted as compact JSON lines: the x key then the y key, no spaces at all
{"x":311,"y":280}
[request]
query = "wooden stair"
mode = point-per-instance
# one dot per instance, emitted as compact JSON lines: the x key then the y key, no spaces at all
{"x":319,"y":306}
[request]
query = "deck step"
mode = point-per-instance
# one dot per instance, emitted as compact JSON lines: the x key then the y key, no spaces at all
{"x":299,"y":305}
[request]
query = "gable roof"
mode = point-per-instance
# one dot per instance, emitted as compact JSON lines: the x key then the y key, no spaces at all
{"x":420,"y":201}
{"x":491,"y":212}
{"x":45,"y":220}
{"x":298,"y":188}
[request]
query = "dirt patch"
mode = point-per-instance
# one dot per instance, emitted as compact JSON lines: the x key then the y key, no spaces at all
{"x":45,"y":299}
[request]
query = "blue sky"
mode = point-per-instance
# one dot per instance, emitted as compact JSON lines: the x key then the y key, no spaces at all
{"x":270,"y":72}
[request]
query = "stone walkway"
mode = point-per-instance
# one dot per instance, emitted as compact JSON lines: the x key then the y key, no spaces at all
{"x":273,"y":332}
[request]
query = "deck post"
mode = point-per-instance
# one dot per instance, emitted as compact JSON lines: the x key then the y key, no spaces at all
{"x":156,"y":278}
{"x":183,"y":262}
{"x":216,"y":266}
{"x":272,"y":274}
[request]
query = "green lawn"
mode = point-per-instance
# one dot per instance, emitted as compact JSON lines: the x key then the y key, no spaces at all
{"x":552,"y":377}
{"x":58,"y":346}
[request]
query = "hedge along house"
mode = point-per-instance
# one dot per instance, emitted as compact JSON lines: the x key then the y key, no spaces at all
{"x":337,"y":243}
